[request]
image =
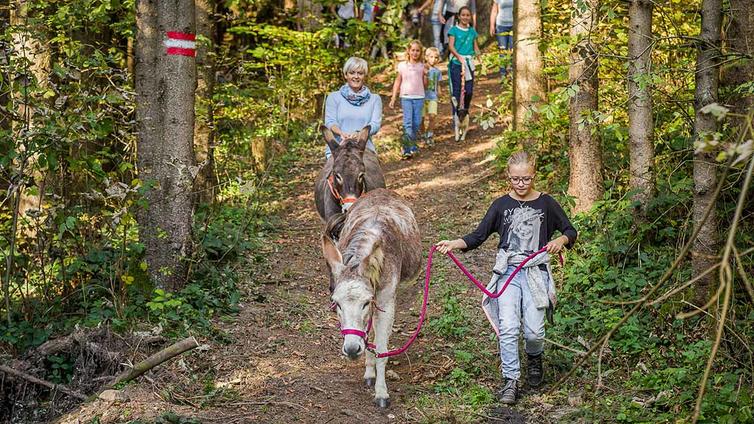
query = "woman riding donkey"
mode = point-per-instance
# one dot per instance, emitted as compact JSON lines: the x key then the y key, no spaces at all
{"x":353,"y":115}
{"x":525,"y":220}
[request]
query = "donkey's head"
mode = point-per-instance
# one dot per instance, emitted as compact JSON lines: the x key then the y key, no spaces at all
{"x":348,"y":177}
{"x":353,"y":287}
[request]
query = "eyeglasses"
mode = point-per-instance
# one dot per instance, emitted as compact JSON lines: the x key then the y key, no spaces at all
{"x":525,"y":180}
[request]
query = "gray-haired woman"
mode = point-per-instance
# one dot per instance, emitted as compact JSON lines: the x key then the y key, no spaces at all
{"x":353,"y":106}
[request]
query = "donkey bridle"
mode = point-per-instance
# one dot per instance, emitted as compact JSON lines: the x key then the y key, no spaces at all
{"x":336,"y":195}
{"x":363,"y":334}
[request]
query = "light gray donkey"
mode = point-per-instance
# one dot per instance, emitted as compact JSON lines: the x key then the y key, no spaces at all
{"x":379,"y":245}
{"x":350,"y":171}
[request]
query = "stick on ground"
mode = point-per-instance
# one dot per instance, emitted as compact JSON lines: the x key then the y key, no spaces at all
{"x":156,"y":359}
{"x":39,"y":381}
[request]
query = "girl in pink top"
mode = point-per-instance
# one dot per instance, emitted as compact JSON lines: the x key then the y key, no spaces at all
{"x":410,"y":82}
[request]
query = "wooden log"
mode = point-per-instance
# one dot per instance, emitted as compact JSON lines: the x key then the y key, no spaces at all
{"x":156,"y":359}
{"x":39,"y":381}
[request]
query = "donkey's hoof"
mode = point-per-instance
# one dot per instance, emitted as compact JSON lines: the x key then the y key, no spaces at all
{"x":382,"y":402}
{"x":369,"y":382}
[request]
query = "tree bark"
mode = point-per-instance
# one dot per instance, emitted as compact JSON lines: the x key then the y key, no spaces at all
{"x":585,"y":153}
{"x":204,"y":126}
{"x":740,"y":41}
{"x":640,"y":119}
{"x":165,"y":85}
{"x":707,"y":78}
{"x":33,"y":55}
{"x":528,"y":90}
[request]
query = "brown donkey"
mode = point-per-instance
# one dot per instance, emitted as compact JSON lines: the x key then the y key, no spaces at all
{"x":350,"y":171}
{"x":379,"y":246}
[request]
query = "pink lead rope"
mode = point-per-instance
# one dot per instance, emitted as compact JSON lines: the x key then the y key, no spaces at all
{"x":422,"y":316}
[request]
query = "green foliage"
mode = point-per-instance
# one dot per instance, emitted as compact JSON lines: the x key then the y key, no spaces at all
{"x":452,"y":323}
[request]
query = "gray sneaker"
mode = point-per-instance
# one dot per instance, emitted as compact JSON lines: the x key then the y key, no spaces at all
{"x":509,"y":392}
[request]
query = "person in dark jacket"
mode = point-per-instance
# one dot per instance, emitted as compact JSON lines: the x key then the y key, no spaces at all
{"x":525,"y":220}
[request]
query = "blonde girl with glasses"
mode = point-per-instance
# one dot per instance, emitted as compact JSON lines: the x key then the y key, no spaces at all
{"x":526,"y":220}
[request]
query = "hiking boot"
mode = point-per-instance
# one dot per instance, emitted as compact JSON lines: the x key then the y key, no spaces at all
{"x":509,"y":392}
{"x":534,"y":372}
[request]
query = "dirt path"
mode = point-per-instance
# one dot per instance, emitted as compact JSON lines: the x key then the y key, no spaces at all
{"x":282,"y":364}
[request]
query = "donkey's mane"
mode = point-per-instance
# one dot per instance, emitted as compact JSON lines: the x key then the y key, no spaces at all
{"x":358,"y":246}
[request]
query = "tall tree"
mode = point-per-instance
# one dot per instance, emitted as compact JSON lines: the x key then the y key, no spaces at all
{"x":165,"y":80}
{"x":204,"y":127}
{"x":707,"y":79}
{"x":585,"y":153}
{"x":640,"y":119}
{"x":740,"y":40}
{"x":528,"y":89}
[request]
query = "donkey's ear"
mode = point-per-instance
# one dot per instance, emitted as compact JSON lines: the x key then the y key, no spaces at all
{"x":372,"y":265}
{"x":363,"y":137}
{"x":332,"y":254}
{"x":329,"y":138}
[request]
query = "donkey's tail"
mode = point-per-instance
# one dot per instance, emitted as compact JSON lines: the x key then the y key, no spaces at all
{"x":335,"y":225}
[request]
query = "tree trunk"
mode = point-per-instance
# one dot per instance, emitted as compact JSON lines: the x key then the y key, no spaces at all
{"x":740,"y":40}
{"x":165,"y":81}
{"x":585,"y":153}
{"x":528,"y":91}
{"x":707,"y":77}
{"x":204,"y":128}
{"x":640,"y":119}
{"x":33,"y":55}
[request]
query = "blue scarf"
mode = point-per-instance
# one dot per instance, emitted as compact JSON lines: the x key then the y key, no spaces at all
{"x":356,"y":99}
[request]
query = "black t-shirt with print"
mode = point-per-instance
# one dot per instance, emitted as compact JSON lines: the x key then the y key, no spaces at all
{"x":523,"y":226}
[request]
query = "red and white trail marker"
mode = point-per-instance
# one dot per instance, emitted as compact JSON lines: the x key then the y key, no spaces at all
{"x":180,"y":43}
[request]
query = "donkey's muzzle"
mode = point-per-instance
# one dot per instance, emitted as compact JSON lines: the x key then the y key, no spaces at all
{"x":353,"y":350}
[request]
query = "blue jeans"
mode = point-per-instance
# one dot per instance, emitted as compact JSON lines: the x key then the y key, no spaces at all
{"x":516,"y":309}
{"x":454,"y":69}
{"x":437,"y":28}
{"x":412,"y":119}
{"x":504,"y":34}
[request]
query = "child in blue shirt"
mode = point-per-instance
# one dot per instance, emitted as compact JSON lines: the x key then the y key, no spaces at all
{"x":431,"y":93}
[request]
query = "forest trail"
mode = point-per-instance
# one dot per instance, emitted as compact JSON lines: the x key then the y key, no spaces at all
{"x":283,"y":361}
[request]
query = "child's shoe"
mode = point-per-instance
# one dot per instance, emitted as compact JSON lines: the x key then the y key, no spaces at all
{"x":428,"y":139}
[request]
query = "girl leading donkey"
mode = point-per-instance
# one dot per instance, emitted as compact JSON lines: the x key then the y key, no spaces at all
{"x":525,"y":220}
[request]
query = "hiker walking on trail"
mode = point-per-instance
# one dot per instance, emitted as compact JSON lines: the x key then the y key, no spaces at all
{"x":448,"y":13}
{"x":501,"y":26}
{"x":353,"y":106}
{"x":431,"y":94}
{"x":343,"y":13}
{"x":525,"y":220}
{"x":410,"y":82}
{"x":437,"y":26}
{"x":463,"y":47}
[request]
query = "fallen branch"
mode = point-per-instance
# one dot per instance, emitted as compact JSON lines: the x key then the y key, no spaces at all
{"x":156,"y":359}
{"x":39,"y":381}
